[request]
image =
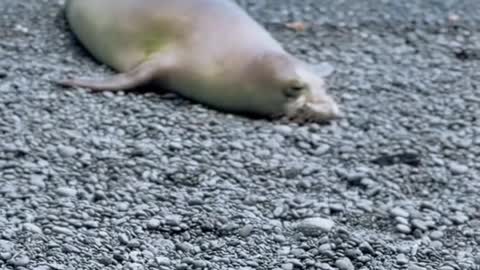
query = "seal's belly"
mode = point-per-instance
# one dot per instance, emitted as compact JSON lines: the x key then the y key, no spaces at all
{"x":220,"y":92}
{"x":203,"y":86}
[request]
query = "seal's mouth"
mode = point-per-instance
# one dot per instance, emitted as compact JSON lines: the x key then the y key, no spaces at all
{"x":319,"y":111}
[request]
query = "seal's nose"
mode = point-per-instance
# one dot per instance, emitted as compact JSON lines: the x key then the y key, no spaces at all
{"x":317,"y":113}
{"x":327,"y":110}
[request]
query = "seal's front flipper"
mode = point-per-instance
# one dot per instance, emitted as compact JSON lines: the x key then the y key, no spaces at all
{"x":138,"y":76}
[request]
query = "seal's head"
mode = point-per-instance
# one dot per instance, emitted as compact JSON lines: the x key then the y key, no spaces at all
{"x":295,"y":87}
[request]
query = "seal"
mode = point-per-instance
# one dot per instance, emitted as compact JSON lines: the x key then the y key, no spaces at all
{"x":209,"y":51}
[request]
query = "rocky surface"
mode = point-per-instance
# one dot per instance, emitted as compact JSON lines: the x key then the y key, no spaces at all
{"x":147,"y":181}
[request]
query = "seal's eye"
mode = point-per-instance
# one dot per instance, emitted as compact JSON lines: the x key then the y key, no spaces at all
{"x":294,"y":89}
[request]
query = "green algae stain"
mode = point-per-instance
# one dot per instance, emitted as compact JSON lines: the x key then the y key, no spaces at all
{"x":158,"y":38}
{"x":155,"y":44}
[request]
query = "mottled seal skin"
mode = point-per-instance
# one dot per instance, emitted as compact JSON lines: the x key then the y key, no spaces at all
{"x":210,"y":51}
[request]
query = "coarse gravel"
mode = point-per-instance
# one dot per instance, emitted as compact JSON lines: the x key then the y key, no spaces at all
{"x":148,"y":181}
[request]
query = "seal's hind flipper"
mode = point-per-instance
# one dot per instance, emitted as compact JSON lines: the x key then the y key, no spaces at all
{"x":138,"y":76}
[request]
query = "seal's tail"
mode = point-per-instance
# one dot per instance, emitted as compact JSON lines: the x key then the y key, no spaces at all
{"x":138,"y":76}
{"x":115,"y":83}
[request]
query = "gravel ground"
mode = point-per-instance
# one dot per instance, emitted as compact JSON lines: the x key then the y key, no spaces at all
{"x":147,"y":181}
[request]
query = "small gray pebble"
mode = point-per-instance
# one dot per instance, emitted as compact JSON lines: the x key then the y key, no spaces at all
{"x":344,"y":264}
{"x":417,"y":223}
{"x":106,"y":260}
{"x":326,"y":246}
{"x":185,"y":247}
{"x":325,"y":266}
{"x":365,"y":247}
{"x":41,"y":267}
{"x":188,"y":260}
{"x":402,"y":259}
{"x":279,"y":238}
{"x":195,"y":201}
{"x":70,"y":248}
{"x":355,"y":177}
{"x":284,"y":130}
{"x":161,"y":260}
{"x":297,"y":252}
{"x":66,"y":191}
{"x":173,"y":220}
{"x":364,"y":259}
{"x":322,"y":149}
{"x":67,"y":151}
{"x":459,"y":218}
{"x":337,"y":207}
{"x":399,"y":212}
{"x":90,"y":224}
{"x":403,"y":228}
{"x":165,"y":244}
{"x":123,"y":206}
{"x":56,"y":266}
{"x":62,"y":230}
{"x":6,"y":246}
{"x":413,"y":266}
{"x":278,"y":211}
{"x":315,"y":226}
{"x":32,"y":228}
{"x":183,"y":266}
{"x":436,"y":244}
{"x":457,"y":168}
{"x":153,"y":224}
{"x":199,"y":264}
{"x":405,"y":249}
{"x":402,"y":220}
{"x":135,"y":266}
{"x":20,"y":260}
{"x":295,"y":262}
{"x":246,"y":230}
{"x":123,"y":239}
{"x":133,"y":243}
{"x":37,"y":180}
{"x":5,"y":255}
{"x":435,"y":235}
{"x":99,"y":195}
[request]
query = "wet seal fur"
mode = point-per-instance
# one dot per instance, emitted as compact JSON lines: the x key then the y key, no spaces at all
{"x":210,"y":51}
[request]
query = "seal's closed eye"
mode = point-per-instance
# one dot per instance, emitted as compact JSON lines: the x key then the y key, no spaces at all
{"x":294,"y":89}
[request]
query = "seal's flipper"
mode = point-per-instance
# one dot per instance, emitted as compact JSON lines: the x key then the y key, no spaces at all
{"x":138,"y":76}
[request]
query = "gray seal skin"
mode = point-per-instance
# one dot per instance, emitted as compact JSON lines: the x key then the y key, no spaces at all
{"x":209,"y":51}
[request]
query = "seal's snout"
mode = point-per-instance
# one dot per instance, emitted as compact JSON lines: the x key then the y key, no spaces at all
{"x":323,"y":111}
{"x":320,"y":109}
{"x":313,"y":103}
